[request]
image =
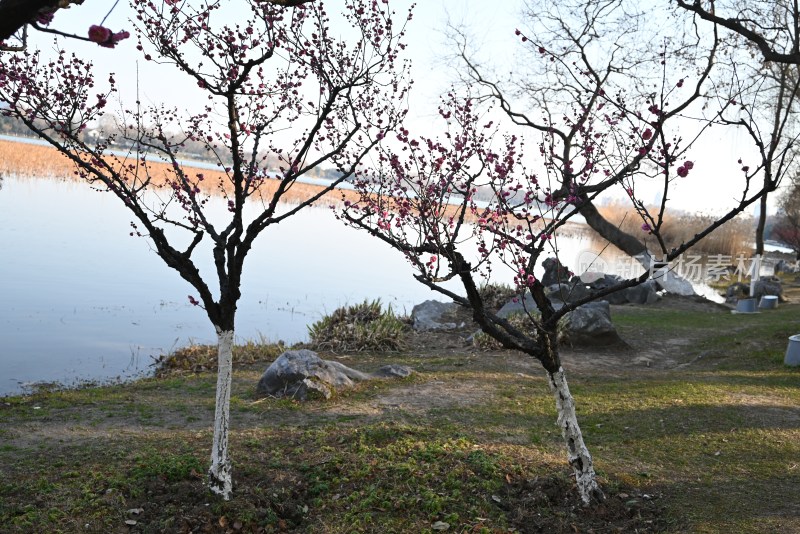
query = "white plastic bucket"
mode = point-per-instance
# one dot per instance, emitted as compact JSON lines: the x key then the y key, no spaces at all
{"x":793,"y":351}
{"x":746,"y":306}
{"x":768,"y":302}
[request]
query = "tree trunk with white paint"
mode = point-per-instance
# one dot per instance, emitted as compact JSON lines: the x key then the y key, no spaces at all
{"x":579,"y":457}
{"x":219,"y":476}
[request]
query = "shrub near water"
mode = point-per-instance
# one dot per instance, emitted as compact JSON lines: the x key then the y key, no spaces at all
{"x":202,"y":358}
{"x":355,"y":328}
{"x":495,"y":296}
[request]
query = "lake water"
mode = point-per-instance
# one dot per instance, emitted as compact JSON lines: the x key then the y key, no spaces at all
{"x":81,"y":300}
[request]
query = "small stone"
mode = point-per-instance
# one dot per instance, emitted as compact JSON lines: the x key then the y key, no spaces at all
{"x":440,"y":525}
{"x":130,"y":522}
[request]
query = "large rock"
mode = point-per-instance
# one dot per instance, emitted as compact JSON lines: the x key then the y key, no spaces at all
{"x":527,"y":305}
{"x":590,"y":324}
{"x":781,"y":266}
{"x":665,"y":277}
{"x":644,"y":293}
{"x":554,"y":272}
{"x":737,"y":291}
{"x":302,"y":374}
{"x":434,"y":315}
{"x":571,"y":292}
{"x":769,"y":285}
{"x":518,"y":305}
{"x":606,"y":281}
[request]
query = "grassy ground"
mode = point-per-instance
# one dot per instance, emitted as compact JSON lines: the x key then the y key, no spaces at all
{"x":694,"y":428}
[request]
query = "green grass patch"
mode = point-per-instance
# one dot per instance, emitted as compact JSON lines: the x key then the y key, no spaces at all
{"x":710,"y":447}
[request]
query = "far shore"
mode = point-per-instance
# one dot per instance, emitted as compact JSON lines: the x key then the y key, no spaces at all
{"x":39,"y":159}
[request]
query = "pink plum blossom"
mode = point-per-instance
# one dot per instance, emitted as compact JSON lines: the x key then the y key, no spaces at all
{"x":99,"y":34}
{"x":105,"y":37}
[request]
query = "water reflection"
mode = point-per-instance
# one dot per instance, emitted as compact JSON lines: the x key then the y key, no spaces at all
{"x":83,"y":299}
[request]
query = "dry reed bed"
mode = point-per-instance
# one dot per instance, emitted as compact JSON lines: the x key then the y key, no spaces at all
{"x":29,"y":160}
{"x":32,"y":160}
{"x":732,"y":238}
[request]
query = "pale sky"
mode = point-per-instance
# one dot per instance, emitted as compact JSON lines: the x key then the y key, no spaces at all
{"x":714,"y":180}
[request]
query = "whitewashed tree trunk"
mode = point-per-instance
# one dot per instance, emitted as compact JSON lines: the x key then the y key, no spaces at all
{"x":219,"y":476}
{"x":579,"y":457}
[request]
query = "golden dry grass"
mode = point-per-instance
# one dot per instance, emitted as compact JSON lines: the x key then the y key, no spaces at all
{"x":29,"y":160}
{"x":732,"y":238}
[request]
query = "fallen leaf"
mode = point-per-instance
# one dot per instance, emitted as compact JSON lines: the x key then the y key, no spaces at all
{"x":135,"y":511}
{"x":440,"y":525}
{"x":223,"y":521}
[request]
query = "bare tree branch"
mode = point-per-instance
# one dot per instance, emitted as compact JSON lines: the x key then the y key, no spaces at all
{"x":740,"y":26}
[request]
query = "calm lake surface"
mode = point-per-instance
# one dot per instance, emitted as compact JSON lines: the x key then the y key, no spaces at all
{"x":82,"y":300}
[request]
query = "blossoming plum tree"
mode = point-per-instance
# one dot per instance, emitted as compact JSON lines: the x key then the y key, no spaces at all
{"x":616,"y":39}
{"x":278,"y":84}
{"x":421,"y":197}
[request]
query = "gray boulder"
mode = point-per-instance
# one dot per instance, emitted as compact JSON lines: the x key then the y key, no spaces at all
{"x":783,"y":266}
{"x":434,"y":315}
{"x":665,"y":277}
{"x":571,"y":292}
{"x":591,"y":325}
{"x":769,"y":285}
{"x":588,"y":325}
{"x":302,"y":374}
{"x":606,"y":281}
{"x":644,"y":293}
{"x":526,"y":305}
{"x":609,"y":280}
{"x":554,"y":272}
{"x":518,"y":305}
{"x":736,"y":291}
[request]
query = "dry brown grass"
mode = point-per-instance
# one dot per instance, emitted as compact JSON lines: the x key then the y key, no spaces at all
{"x":732,"y":238}
{"x":29,"y":160}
